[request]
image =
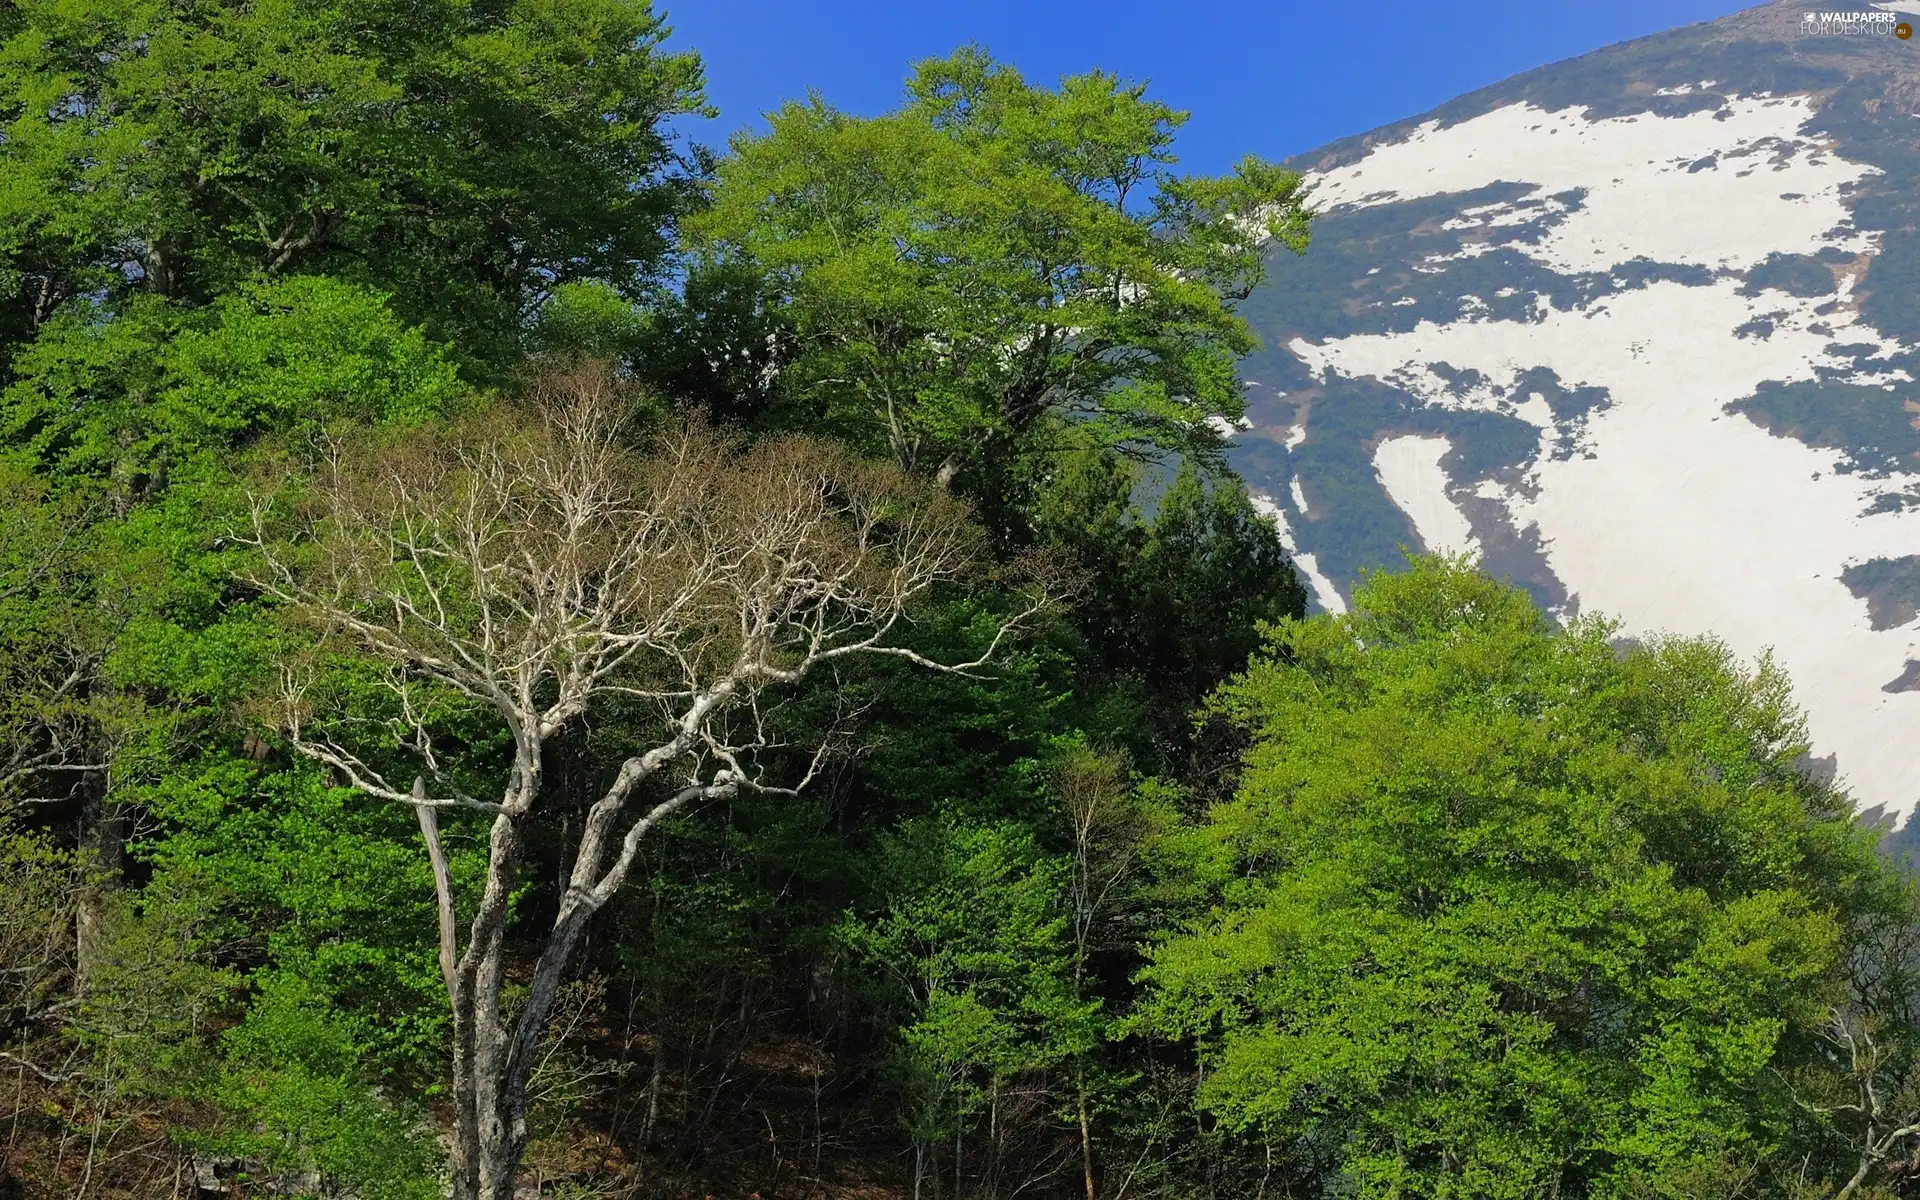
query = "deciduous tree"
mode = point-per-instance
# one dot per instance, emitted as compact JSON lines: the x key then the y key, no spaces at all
{"x":533,"y":574}
{"x":1506,"y":910}
{"x":464,"y":156}
{"x":955,"y":279}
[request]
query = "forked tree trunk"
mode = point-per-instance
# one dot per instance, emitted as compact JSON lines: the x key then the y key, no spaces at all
{"x":493,"y":1059}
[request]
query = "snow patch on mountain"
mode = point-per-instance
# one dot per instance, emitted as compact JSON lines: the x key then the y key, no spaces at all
{"x":1661,"y":507}
{"x":1409,"y":469}
{"x":1325,"y":595}
{"x":1706,"y":188}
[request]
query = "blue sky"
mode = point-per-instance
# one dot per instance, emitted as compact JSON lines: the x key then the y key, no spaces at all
{"x":1270,"y":78}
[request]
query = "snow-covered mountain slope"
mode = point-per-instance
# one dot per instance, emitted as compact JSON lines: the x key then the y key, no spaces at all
{"x":1643,"y":330}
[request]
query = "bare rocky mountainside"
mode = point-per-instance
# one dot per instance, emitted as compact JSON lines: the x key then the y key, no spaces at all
{"x":1642,"y":329}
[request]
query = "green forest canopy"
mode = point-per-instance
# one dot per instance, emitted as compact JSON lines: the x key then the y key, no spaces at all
{"x":389,"y":396}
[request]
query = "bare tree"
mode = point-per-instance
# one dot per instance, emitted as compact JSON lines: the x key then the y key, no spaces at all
{"x":1863,"y":1084}
{"x":538,"y":569}
{"x":1879,"y":1097}
{"x":1108,"y":826}
{"x":52,"y":729}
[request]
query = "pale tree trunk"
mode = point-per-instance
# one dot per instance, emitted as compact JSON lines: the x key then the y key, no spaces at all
{"x":1086,"y":1130}
{"x":106,"y":837}
{"x":489,"y":1096}
{"x":489,"y":1120}
{"x":656,"y":1078}
{"x":492,"y":1060}
{"x":1091,"y":789}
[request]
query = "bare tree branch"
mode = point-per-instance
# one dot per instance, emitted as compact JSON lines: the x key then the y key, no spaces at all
{"x":540,"y":568}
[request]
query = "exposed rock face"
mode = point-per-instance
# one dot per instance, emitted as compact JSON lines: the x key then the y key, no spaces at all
{"x":1643,"y":330}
